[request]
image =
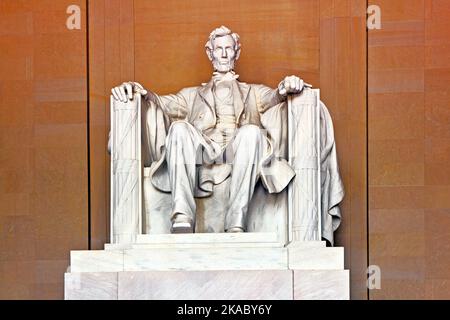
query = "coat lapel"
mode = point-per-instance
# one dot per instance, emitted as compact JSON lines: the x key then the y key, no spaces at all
{"x":240,"y":94}
{"x":207,"y":95}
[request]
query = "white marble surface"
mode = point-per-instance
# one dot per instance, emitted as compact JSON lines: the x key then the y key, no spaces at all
{"x":126,"y":170}
{"x":167,"y":252}
{"x":331,"y":258}
{"x":224,"y":285}
{"x":208,"y":238}
{"x":188,"y":246}
{"x":96,"y":260}
{"x":267,"y":212}
{"x":91,"y":286}
{"x":206,"y":285}
{"x":157,"y":207}
{"x":304,"y":157}
{"x":118,"y":246}
{"x":242,"y":271}
{"x":321,"y":285}
{"x":307,"y":244}
{"x":243,"y":258}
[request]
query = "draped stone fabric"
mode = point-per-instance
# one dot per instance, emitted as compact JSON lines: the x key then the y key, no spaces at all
{"x":332,"y":185}
{"x":197,"y":106}
{"x":254,"y":104}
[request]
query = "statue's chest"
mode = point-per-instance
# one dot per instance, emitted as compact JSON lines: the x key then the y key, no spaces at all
{"x":223,"y":92}
{"x":224,"y":106}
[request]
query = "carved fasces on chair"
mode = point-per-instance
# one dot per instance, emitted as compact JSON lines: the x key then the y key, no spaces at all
{"x":304,"y":192}
{"x":126,"y":170}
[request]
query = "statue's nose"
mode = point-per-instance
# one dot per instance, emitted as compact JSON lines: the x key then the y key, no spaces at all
{"x":224,"y":53}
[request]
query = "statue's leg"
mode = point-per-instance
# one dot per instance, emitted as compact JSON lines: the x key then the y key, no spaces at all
{"x":182,"y":146}
{"x":248,"y":148}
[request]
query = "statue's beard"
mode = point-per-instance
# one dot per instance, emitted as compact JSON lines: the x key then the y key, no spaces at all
{"x":223,"y":67}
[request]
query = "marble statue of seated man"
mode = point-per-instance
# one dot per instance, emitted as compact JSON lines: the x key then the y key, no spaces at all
{"x":216,"y":133}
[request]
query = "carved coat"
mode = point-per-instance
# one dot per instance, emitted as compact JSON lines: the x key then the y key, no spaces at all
{"x":254,"y":104}
{"x":196,"y":106}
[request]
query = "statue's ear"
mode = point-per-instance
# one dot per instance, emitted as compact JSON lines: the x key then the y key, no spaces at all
{"x":238,"y":54}
{"x":209,"y":54}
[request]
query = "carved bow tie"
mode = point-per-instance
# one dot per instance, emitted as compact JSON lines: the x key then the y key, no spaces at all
{"x":229,"y":76}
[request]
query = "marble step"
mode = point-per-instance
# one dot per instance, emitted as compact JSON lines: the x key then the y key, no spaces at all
{"x":209,"y":285}
{"x":300,"y":258}
{"x":205,"y":245}
{"x":200,"y":240}
{"x":208,"y":238}
{"x":211,"y":258}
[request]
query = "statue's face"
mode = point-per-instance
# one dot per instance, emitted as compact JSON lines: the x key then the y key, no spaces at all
{"x":223,"y":54}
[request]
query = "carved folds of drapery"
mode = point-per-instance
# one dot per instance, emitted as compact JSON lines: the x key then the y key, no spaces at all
{"x":308,"y":213}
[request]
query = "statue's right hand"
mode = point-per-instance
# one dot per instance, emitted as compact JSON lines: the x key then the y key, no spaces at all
{"x":126,"y":90}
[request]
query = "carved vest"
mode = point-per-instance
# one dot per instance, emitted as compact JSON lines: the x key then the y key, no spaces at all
{"x":225,"y":113}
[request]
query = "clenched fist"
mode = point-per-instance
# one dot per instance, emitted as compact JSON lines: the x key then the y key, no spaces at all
{"x":292,"y":84}
{"x":126,"y":90}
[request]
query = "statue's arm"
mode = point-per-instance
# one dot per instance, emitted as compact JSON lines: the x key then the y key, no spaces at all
{"x":268,"y":97}
{"x":173,"y":105}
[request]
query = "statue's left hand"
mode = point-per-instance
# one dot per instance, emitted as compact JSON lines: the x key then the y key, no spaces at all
{"x":126,"y":90}
{"x":291,"y":84}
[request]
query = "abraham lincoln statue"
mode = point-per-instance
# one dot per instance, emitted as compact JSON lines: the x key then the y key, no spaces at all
{"x":214,"y":132}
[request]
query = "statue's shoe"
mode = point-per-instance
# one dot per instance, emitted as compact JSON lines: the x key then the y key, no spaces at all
{"x":235,"y":229}
{"x":182,"y":227}
{"x":182,"y":224}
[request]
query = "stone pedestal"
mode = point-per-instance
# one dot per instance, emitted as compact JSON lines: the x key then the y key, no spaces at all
{"x":246,"y":266}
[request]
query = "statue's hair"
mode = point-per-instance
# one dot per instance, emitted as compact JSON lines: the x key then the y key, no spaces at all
{"x":220,"y":32}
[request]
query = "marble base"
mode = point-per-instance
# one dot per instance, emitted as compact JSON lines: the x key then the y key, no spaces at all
{"x":91,"y":286}
{"x":316,"y":258}
{"x":321,"y":284}
{"x":206,"y":285}
{"x":209,"y":266}
{"x":209,"y":285}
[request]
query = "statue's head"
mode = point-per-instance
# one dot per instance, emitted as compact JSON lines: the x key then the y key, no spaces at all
{"x":223,"y":49}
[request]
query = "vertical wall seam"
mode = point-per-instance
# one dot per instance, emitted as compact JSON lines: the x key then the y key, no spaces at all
{"x":134,"y":43}
{"x":367,"y":149}
{"x":107,"y":121}
{"x":88,"y":133}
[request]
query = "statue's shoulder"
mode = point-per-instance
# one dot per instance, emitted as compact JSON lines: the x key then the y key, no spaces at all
{"x":189,"y":90}
{"x":258,"y":87}
{"x":246,"y":85}
{"x":255,"y":85}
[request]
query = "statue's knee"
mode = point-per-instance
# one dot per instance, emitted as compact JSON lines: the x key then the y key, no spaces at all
{"x":179,"y":129}
{"x":250,"y":132}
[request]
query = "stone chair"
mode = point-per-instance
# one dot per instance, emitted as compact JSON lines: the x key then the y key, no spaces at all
{"x":303,"y":134}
